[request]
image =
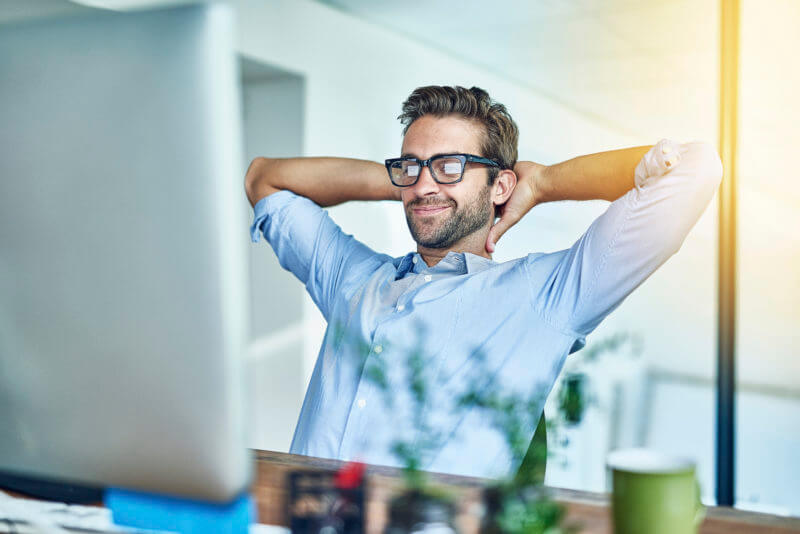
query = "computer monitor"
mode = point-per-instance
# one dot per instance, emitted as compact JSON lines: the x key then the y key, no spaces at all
{"x":123,"y":252}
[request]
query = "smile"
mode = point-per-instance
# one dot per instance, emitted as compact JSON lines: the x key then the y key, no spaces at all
{"x":429,"y":210}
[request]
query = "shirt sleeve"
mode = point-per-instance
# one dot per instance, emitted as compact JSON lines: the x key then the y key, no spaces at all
{"x":578,"y":287}
{"x":311,"y":246}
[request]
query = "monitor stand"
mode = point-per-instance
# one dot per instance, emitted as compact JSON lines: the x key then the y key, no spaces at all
{"x":150,"y":511}
{"x":51,"y":490}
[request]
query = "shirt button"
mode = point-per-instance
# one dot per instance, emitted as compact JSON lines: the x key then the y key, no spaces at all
{"x":378,"y":349}
{"x":414,"y":259}
{"x":400,"y":308}
{"x":362,"y":403}
{"x":428,"y":278}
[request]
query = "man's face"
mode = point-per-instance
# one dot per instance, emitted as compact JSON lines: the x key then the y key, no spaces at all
{"x":440,"y":215}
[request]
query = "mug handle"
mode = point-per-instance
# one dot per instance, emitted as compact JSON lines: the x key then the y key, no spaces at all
{"x":700,"y":510}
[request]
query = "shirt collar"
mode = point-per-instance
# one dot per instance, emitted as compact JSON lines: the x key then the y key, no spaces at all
{"x":404,"y":265}
{"x":476,"y":264}
{"x":453,"y":263}
{"x":460,"y":262}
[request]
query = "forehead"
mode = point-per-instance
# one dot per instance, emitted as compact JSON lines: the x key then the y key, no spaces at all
{"x":429,"y":135}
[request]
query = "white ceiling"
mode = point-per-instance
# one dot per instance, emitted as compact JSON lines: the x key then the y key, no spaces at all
{"x":632,"y":64}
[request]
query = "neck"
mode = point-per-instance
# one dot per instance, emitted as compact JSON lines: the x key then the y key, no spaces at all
{"x":475,"y":243}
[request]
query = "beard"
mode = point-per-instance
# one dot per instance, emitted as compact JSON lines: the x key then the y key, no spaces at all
{"x":461,"y":222}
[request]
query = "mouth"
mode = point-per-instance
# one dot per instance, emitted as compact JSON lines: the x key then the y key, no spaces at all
{"x":427,"y":211}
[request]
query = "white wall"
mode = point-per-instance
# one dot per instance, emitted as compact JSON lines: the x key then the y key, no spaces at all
{"x":272,"y":107}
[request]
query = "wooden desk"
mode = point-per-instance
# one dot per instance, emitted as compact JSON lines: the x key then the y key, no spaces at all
{"x":591,"y":510}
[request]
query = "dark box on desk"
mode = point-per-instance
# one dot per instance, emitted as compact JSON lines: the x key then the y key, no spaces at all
{"x":317,"y":505}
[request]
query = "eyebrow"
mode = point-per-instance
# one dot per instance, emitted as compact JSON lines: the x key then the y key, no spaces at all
{"x":446,"y":153}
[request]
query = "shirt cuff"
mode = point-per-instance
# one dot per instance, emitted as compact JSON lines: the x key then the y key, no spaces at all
{"x":659,"y":160}
{"x":264,"y":208}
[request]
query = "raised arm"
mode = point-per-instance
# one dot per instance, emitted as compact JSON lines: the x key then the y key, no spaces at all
{"x":668,"y":189}
{"x":326,"y":181}
{"x":601,"y":176}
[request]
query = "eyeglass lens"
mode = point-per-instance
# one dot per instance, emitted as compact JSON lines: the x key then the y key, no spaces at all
{"x":444,"y":170}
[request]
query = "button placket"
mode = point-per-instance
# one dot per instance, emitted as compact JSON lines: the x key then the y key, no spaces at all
{"x":359,"y":416}
{"x":356,"y":420}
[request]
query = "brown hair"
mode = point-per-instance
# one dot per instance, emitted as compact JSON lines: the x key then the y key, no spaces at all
{"x":501,"y":134}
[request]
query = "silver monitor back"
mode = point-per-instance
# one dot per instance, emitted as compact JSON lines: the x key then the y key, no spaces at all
{"x":122,"y":252}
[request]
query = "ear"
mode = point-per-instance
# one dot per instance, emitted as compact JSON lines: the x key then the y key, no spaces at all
{"x":503,"y":186}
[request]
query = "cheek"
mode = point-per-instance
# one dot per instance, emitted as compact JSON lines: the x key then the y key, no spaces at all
{"x":468,"y":197}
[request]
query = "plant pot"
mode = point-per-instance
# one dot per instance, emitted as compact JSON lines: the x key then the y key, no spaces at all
{"x":415,"y":512}
{"x":511,"y":509}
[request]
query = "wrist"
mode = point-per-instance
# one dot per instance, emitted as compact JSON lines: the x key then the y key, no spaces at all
{"x":540,"y":184}
{"x":396,"y":193}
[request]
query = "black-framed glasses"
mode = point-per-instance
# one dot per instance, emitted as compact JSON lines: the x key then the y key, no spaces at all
{"x":445,"y":169}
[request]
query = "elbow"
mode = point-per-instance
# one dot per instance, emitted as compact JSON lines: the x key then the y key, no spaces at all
{"x":256,"y":179}
{"x":709,"y":164}
{"x":704,"y":179}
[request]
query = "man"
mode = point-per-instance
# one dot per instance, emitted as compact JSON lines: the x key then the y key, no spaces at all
{"x":457,"y":173}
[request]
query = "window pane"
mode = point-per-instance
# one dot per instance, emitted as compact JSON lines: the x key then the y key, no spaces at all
{"x":658,"y":79}
{"x":768,"y":367}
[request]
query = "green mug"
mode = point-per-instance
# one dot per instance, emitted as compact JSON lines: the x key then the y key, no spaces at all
{"x":654,"y":493}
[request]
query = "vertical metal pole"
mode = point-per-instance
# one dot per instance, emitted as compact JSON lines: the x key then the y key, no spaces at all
{"x":726,"y":336}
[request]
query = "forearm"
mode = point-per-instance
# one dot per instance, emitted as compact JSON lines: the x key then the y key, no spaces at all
{"x":326,"y":181}
{"x":605,"y":175}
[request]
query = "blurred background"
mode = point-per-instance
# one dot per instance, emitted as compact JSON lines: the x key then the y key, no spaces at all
{"x":579,"y":76}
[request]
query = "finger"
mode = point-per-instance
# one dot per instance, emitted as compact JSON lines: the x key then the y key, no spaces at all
{"x":497,"y":231}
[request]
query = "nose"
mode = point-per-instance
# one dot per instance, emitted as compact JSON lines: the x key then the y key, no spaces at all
{"x":426,"y":185}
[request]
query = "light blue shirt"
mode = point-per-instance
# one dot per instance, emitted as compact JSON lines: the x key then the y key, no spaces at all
{"x":525,"y":316}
